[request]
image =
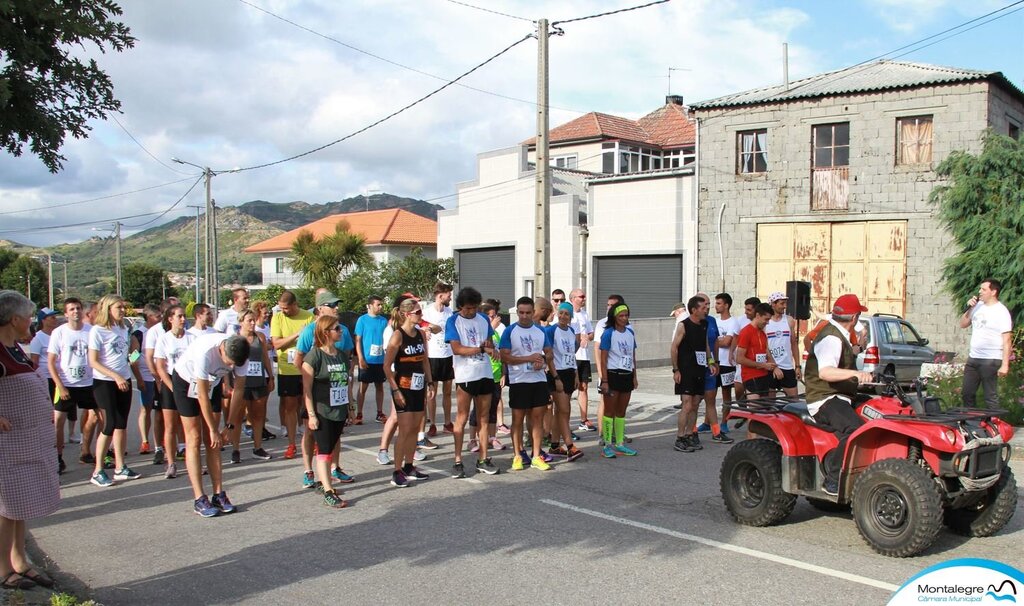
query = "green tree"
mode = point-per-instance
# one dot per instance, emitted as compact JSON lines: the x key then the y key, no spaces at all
{"x":982,"y":206}
{"x":143,"y":283}
{"x":322,"y":262}
{"x":26,"y":275}
{"x":415,"y":273}
{"x":46,"y":92}
{"x":269,"y":295}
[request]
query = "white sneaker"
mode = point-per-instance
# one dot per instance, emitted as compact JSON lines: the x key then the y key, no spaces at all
{"x":419,"y":456}
{"x":383,"y":457}
{"x":75,"y":438}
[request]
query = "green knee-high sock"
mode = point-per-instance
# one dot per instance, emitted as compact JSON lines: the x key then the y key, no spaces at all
{"x":620,"y":429}
{"x":606,"y":429}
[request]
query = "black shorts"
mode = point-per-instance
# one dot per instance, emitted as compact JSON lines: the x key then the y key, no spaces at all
{"x":189,"y":407}
{"x":373,"y":373}
{"x":116,"y":404}
{"x":622,"y":381}
{"x":255,"y":393}
{"x":759,"y":386}
{"x":327,"y":433}
{"x":691,"y":382}
{"x":583,"y":370}
{"x":788,"y":380}
{"x":441,"y":369}
{"x":80,"y":397}
{"x":524,"y":396}
{"x":289,"y":386}
{"x":480,"y":387}
{"x":726,"y":377}
{"x":414,"y":400}
{"x":167,"y":399}
{"x":568,"y":377}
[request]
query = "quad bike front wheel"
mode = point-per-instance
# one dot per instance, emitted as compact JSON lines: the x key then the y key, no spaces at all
{"x":751,"y":483}
{"x":897,"y":507}
{"x":990,"y":513}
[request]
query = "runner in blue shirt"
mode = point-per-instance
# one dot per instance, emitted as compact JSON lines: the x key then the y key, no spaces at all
{"x":618,"y":349}
{"x":564,"y":343}
{"x":370,"y":350}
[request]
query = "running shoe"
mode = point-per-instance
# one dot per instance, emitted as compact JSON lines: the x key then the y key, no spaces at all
{"x":496,"y":444}
{"x":236,"y":458}
{"x":607,"y":452}
{"x":432,"y":431}
{"x":558,"y":451}
{"x":524,"y":455}
{"x":425,"y":443}
{"x":458,"y":471}
{"x":289,"y":453}
{"x":247,"y":430}
{"x":546,"y":457}
{"x":341,"y":476}
{"x":723,"y":427}
{"x":259,"y":453}
{"x":308,"y":481}
{"x":695,"y":442}
{"x":574,"y":453}
{"x":399,"y":480}
{"x":100,"y":478}
{"x":722,"y":439}
{"x":587,"y":425}
{"x":223,"y":503}
{"x":144,"y":449}
{"x":126,"y":474}
{"x":575,"y":438}
{"x":474,"y":446}
{"x":411,"y":473}
{"x":539,"y":463}
{"x":517,"y":463}
{"x":180,"y":455}
{"x":504,"y":429}
{"x":831,"y":487}
{"x":703,"y":428}
{"x":683,"y":444}
{"x":61,"y":465}
{"x":75,"y":438}
{"x":158,"y":457}
{"x":204,"y":508}
{"x":334,"y":501}
{"x":318,"y":487}
{"x":418,"y":455}
{"x":358,"y":420}
{"x":268,"y":436}
{"x":487,"y":466}
{"x":381,"y":418}
{"x":449,"y":428}
{"x":87,"y":459}
{"x":623,"y":449}
{"x":172,"y":471}
{"x":383,"y":458}
{"x":108,"y":462}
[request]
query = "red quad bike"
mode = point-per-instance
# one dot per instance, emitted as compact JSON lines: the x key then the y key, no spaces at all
{"x":910,"y":468}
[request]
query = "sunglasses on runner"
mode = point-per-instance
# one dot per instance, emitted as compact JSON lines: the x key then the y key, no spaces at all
{"x":336,"y":328}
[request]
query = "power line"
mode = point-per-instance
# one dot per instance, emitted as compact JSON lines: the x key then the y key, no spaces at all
{"x":487,"y":10}
{"x":143,"y":147}
{"x":28,"y":210}
{"x":615,"y":12}
{"x":74,"y":225}
{"x":392,"y":114}
{"x":169,"y":209}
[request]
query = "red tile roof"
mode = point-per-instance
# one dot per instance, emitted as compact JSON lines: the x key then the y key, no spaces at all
{"x":391,"y":226}
{"x":667,"y":126}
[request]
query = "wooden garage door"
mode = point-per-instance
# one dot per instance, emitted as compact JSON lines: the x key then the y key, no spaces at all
{"x":864,"y":258}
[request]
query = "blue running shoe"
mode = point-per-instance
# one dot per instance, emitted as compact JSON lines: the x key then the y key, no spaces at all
{"x":623,"y":449}
{"x":101,"y":479}
{"x":308,"y":481}
{"x":607,"y":452}
{"x":221,"y":502}
{"x":723,"y":427}
{"x":703,"y":428}
{"x":341,"y":476}
{"x":204,"y":508}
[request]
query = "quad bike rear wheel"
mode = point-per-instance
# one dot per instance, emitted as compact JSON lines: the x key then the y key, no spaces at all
{"x":751,"y":483}
{"x":987,"y":516}
{"x":897,"y":507}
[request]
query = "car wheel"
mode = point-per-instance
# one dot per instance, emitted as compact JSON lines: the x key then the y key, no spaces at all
{"x":988,"y":515}
{"x":897,"y":507}
{"x":751,"y":483}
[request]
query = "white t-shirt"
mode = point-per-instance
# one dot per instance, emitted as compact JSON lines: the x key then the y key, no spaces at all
{"x":621,"y":347}
{"x":563,"y":346}
{"x":112,"y":344}
{"x":198,"y":333}
{"x":152,"y":338}
{"x":143,"y":367}
{"x":72,"y":350}
{"x":39,"y":346}
{"x":170,"y":348}
{"x":581,"y":326}
{"x":525,"y":341}
{"x":438,"y":345}
{"x":726,"y":328}
{"x":470,"y":332}
{"x":828,"y":351}
{"x":227,"y":321}
{"x":988,"y":323}
{"x":202,"y":360}
{"x":779,"y":342}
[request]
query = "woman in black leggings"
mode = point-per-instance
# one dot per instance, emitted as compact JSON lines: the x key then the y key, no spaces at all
{"x":325,"y":377}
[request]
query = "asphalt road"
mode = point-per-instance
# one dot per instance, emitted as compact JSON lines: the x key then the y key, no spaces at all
{"x":650,"y":529}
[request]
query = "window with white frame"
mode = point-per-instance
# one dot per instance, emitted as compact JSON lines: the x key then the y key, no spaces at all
{"x":566,"y":161}
{"x":752,"y":152}
{"x":914,"y":140}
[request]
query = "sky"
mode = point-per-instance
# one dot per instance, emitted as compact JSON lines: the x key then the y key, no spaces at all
{"x":226,"y":84}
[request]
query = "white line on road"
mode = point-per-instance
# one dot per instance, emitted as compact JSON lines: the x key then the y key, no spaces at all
{"x":729,"y":547}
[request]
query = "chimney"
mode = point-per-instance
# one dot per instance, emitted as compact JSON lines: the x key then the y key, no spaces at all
{"x":673,"y":100}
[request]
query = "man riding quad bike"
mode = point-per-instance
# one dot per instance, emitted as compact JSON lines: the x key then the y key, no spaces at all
{"x":902,"y":464}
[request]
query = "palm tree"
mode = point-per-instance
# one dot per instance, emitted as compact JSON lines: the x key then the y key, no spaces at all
{"x":323,"y":262}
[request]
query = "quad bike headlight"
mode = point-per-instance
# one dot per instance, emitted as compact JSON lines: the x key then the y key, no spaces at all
{"x":950,"y":435}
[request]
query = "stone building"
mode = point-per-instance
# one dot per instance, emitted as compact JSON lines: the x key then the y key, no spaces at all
{"x":826,"y":179}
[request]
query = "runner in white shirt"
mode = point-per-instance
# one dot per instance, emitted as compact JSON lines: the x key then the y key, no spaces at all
{"x":618,"y":361}
{"x":599,"y":329}
{"x":37,"y":349}
{"x":67,"y":361}
{"x":726,"y":378}
{"x":782,"y":343}
{"x":227,"y":319}
{"x":582,"y":326}
{"x":564,"y":345}
{"x":169,"y":348}
{"x":742,"y":321}
{"x":153,"y":316}
{"x":439,"y":353}
{"x":202,"y":316}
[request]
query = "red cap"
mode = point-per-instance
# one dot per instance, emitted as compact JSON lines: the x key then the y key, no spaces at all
{"x":847,"y":305}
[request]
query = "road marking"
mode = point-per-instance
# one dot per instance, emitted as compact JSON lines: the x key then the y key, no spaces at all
{"x":729,"y":547}
{"x":373,"y":453}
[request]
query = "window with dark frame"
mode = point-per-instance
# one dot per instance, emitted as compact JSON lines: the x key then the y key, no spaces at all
{"x":831,"y":145}
{"x":914,"y":140}
{"x":279,"y":265}
{"x":752,"y":152}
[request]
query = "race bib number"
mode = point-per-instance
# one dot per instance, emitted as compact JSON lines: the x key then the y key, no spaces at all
{"x":627,"y":362}
{"x":778,"y":352}
{"x":418,"y":381}
{"x":761,"y":358}
{"x":702,"y":358}
{"x":291,"y":356}
{"x":339,"y":396}
{"x":76,"y":372}
{"x":254,"y":369}
{"x":376,"y":351}
{"x":728,"y":378}
{"x":569,"y":361}
{"x":193,"y":390}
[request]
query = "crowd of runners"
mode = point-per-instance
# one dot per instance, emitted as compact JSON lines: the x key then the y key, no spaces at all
{"x":204,"y":381}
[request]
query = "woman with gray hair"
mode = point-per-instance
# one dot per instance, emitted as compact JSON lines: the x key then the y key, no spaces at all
{"x":28,"y":457}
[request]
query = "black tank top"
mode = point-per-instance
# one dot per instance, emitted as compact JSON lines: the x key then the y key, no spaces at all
{"x":694,"y":344}
{"x":409,"y":360}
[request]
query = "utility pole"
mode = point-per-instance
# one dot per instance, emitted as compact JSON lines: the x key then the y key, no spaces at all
{"x":542,"y":253}
{"x":117,"y":255}
{"x":49,"y":276}
{"x":197,"y":207}
{"x":214,"y":259}
{"x":67,"y":291}
{"x":209,"y":234}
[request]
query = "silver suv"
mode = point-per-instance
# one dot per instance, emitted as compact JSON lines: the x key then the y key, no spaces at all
{"x":891,"y":345}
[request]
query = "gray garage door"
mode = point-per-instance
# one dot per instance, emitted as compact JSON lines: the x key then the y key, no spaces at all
{"x":491,"y":271}
{"x":651,"y":284}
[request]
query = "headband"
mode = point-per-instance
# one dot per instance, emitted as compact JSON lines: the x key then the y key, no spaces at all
{"x":621,"y":307}
{"x":567,"y":307}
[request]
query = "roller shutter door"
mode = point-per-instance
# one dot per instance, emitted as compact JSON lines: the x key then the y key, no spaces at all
{"x":491,"y":271}
{"x":651,"y":284}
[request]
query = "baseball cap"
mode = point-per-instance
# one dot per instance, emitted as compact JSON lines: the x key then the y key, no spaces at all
{"x":777,"y":296}
{"x":847,"y":305}
{"x":45,"y":312}
{"x":676,"y":308}
{"x":326,"y":298}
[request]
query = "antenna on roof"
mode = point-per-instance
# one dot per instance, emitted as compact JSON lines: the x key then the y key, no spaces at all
{"x":675,"y":69}
{"x":785,"y":64}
